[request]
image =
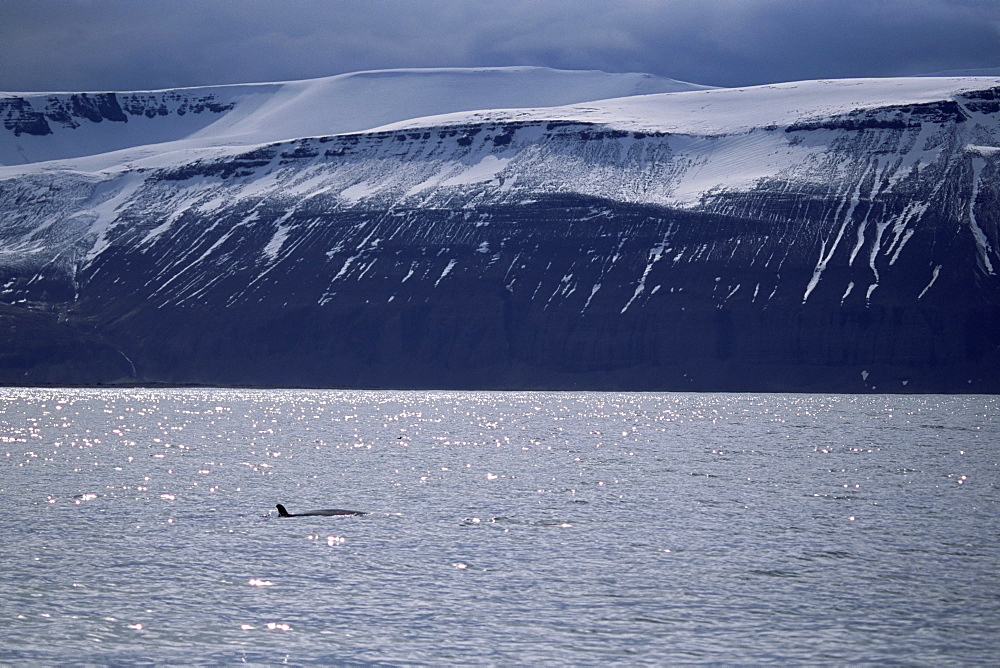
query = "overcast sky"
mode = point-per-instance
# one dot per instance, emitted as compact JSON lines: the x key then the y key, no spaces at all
{"x":77,"y":45}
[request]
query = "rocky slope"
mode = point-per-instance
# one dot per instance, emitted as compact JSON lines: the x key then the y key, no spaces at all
{"x":817,"y":236}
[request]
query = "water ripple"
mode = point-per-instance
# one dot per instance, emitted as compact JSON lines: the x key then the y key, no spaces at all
{"x":504,"y":528}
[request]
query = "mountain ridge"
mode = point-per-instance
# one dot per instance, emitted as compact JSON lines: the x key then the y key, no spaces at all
{"x":664,"y":241}
{"x":251,"y":114}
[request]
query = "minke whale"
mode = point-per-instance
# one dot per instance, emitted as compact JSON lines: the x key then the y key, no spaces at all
{"x":327,"y":511}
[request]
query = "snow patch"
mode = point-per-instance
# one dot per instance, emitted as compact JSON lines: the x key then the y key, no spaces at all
{"x":485,"y":170}
{"x":447,"y":270}
{"x":343,"y":269}
{"x":655,"y":254}
{"x":593,"y":291}
{"x":273,"y":246}
{"x":982,"y":242}
{"x":359,"y":191}
{"x":850,"y":287}
{"x":824,"y":257}
{"x":934,"y":277}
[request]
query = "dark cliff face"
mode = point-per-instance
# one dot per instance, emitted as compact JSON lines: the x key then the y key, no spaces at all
{"x":35,"y":116}
{"x":557,"y":304}
{"x":542,"y":255}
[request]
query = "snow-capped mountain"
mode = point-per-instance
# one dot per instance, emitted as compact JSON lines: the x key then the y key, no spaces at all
{"x":53,"y":126}
{"x":506,"y":227}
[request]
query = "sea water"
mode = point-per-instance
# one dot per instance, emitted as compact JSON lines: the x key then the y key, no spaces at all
{"x":138,"y":526}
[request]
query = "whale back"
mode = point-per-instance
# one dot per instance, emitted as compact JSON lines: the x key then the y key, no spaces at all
{"x":327,"y":512}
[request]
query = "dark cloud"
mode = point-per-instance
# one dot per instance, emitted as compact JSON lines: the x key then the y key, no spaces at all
{"x":133,"y":44}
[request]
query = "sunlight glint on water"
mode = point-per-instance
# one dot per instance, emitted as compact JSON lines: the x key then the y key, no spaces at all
{"x":139,"y":525}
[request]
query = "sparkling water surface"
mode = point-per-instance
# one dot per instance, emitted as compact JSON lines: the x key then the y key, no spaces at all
{"x":138,"y":526}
